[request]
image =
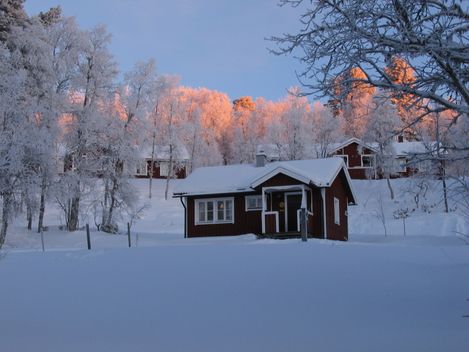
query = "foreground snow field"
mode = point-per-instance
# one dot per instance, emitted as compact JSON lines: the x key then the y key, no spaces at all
{"x":238,"y":294}
{"x":373,"y":293}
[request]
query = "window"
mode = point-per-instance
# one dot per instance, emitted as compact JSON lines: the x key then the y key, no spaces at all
{"x":213,"y":211}
{"x":253,"y":203}
{"x":141,"y":168}
{"x":368,"y":160}
{"x":336,"y":211}
{"x":345,"y":157}
{"x":164,"y":168}
{"x":401,"y":165}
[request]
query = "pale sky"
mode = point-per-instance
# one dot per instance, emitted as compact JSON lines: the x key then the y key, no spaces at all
{"x":218,"y":44}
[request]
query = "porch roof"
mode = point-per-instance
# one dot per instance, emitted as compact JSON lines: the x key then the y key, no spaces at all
{"x":244,"y":178}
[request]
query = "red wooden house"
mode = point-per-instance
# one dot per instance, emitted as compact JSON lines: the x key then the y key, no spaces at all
{"x":266,"y":199}
{"x":161,"y":162}
{"x":360,"y":158}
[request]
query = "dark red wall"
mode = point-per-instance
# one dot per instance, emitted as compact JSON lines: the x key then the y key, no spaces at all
{"x":244,"y":221}
{"x":355,"y":162}
{"x":337,"y":190}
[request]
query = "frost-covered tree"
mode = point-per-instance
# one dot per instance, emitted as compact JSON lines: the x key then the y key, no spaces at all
{"x":352,"y":101}
{"x":12,"y":14}
{"x":93,"y":81}
{"x":14,"y":139}
{"x":125,"y":117}
{"x":325,"y":131}
{"x":380,"y":129}
{"x":244,"y":136}
{"x":296,"y":122}
{"x":432,"y":36}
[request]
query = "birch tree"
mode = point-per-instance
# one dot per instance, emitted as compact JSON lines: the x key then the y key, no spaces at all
{"x":94,"y":79}
{"x":381,"y":128}
{"x":432,"y":36}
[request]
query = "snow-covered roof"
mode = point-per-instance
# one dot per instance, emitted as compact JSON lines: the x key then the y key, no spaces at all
{"x":162,"y":152}
{"x":245,"y":177}
{"x":408,"y":148}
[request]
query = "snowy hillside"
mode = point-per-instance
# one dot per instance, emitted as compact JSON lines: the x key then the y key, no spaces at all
{"x":163,"y":220}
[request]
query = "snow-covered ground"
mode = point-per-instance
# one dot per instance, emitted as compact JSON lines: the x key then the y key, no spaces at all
{"x":373,"y":293}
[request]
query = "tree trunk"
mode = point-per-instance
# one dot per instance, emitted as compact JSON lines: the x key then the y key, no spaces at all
{"x":112,"y":195}
{"x":391,"y":191}
{"x":29,"y":215}
{"x":42,"y":205}
{"x":170,"y":171}
{"x":5,"y":216}
{"x":72,"y":223}
{"x":104,"y":215}
{"x":152,"y":164}
{"x":445,"y":190}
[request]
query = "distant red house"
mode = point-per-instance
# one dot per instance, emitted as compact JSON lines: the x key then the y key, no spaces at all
{"x":360,"y":158}
{"x":161,"y":162}
{"x":266,"y":199}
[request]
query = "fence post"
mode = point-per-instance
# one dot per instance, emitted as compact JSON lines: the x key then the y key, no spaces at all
{"x":88,"y":239}
{"x":303,"y":229}
{"x":128,"y":234}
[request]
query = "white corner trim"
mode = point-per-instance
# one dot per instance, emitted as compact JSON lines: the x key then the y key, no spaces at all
{"x":323,"y":196}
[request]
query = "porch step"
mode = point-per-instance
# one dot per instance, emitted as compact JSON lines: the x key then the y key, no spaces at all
{"x":283,"y":235}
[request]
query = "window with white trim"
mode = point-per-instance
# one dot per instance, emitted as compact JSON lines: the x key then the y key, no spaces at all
{"x":336,"y":211}
{"x":214,"y":211}
{"x":401,"y":165}
{"x":141,"y":168}
{"x":368,"y":160}
{"x":253,"y":202}
{"x":164,"y":168}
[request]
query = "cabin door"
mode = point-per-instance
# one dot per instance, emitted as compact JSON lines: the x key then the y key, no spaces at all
{"x":293,"y":203}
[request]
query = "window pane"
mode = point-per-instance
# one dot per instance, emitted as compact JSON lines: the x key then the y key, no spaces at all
{"x":229,"y":210}
{"x":221,"y":210}
{"x":164,"y":168}
{"x":209,"y":211}
{"x":367,"y":160}
{"x":336,"y":211}
{"x":254,"y":202}
{"x":201,"y":211}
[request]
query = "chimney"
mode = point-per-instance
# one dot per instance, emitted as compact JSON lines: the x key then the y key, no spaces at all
{"x":261,"y":159}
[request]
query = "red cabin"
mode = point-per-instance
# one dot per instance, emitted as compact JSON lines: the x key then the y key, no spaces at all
{"x":267,"y":199}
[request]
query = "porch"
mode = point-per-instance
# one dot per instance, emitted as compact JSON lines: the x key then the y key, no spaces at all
{"x":282,"y":209}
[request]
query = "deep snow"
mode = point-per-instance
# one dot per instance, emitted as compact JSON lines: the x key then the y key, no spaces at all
{"x":373,"y":293}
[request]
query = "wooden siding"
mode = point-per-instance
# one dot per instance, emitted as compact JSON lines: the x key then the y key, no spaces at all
{"x":337,"y":190}
{"x":355,"y":168}
{"x":244,"y":221}
{"x":270,"y":223}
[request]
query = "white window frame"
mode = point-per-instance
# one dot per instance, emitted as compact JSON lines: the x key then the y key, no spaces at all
{"x":373,"y":161}
{"x":343,"y":156}
{"x":336,"y":211}
{"x":258,"y":198}
{"x":141,"y":163}
{"x":401,"y":165}
{"x":165,"y":169}
{"x":215,"y":220}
